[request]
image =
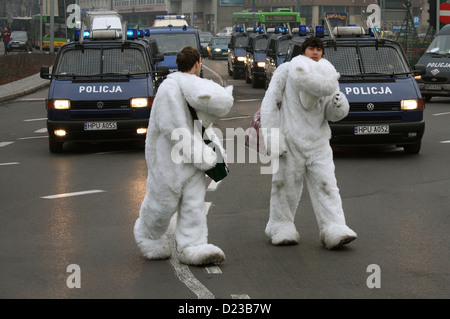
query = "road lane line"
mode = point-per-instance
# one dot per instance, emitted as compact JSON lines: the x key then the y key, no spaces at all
{"x":31,"y":137}
{"x":41,"y":130}
{"x":73,"y":194}
{"x":182,"y":271}
{"x":235,"y":118}
{"x":39,"y":119}
{"x":438,"y":114}
{"x":5,"y":143}
{"x":216,"y":74}
{"x":249,"y":100}
{"x":243,"y":296}
{"x":445,"y":142}
{"x":213,"y":270}
{"x":11,"y":163}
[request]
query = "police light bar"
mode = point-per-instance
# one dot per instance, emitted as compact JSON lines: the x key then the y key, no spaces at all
{"x":346,"y":30}
{"x":171,"y":17}
{"x":102,"y":34}
{"x":320,"y":32}
{"x":302,"y":31}
{"x":239,"y":29}
{"x":132,"y":34}
{"x":273,"y":30}
{"x":76,"y":35}
{"x":140,"y":33}
{"x":147,"y":32}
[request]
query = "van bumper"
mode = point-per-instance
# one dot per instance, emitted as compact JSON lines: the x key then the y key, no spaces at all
{"x":126,"y":130}
{"x":343,"y":134}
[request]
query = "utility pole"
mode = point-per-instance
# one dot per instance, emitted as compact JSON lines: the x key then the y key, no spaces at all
{"x":52,"y":26}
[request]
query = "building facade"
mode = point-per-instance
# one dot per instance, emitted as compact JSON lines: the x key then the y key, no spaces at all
{"x":214,"y":15}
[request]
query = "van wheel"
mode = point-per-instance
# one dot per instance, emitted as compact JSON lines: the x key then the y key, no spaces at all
{"x":412,"y":148}
{"x":55,"y":147}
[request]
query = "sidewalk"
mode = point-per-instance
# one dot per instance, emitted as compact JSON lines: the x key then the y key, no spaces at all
{"x":22,"y":87}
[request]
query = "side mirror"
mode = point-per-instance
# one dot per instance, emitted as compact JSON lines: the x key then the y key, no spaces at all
{"x":420,"y":69}
{"x":162,"y":70}
{"x":205,"y":53}
{"x":158,"y":57}
{"x":45,"y":73}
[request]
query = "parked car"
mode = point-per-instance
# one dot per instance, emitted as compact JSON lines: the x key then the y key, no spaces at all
{"x":218,"y":47}
{"x":20,"y":41}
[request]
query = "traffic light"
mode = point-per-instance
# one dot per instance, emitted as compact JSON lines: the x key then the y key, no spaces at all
{"x":432,"y":7}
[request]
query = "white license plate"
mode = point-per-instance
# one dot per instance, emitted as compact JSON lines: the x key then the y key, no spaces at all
{"x":98,"y":126}
{"x":371,"y":129}
{"x":432,"y":87}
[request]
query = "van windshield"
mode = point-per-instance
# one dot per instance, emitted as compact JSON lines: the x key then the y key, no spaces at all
{"x":241,"y":42}
{"x":172,"y":43}
{"x":366,"y":60}
{"x":93,"y":62}
{"x":440,"y":44}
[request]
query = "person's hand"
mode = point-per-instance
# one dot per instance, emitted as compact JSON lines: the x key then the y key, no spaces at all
{"x":337,"y":99}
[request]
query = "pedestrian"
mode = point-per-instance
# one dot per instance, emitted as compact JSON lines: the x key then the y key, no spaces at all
{"x":302,"y":97}
{"x":6,"y":35}
{"x":176,"y":182}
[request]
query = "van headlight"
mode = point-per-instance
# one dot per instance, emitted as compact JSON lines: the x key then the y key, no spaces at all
{"x":413,"y":104}
{"x":61,"y":104}
{"x":139,"y":102}
{"x":261,"y":64}
{"x":241,"y":58}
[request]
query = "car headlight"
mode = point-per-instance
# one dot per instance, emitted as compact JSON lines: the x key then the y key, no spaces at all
{"x":217,"y":50}
{"x":413,"y":104}
{"x":241,"y":58}
{"x":61,"y":104}
{"x":139,"y":102}
{"x":261,"y":64}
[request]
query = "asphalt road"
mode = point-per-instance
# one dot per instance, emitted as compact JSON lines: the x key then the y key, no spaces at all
{"x":67,"y":219}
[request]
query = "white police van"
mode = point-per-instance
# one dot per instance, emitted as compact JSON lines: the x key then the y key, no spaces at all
{"x":386,"y":105}
{"x":436,"y":60}
{"x":101,"y":88}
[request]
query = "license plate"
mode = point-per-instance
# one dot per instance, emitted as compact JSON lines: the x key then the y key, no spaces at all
{"x":98,"y":126}
{"x":371,"y":129}
{"x":15,"y":45}
{"x":432,"y":87}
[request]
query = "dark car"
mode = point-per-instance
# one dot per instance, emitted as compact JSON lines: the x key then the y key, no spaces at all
{"x":237,"y":56}
{"x":205,"y":37}
{"x":218,"y":47}
{"x":20,"y":41}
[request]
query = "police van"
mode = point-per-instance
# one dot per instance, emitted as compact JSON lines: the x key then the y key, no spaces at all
{"x":386,"y":106}
{"x":237,"y":55}
{"x":101,"y":89}
{"x":172,"y":39}
{"x":277,"y":46}
{"x":254,"y":71}
{"x":436,"y":60}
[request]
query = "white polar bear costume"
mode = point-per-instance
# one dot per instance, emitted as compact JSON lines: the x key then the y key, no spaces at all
{"x":309,"y":95}
{"x":179,"y":185}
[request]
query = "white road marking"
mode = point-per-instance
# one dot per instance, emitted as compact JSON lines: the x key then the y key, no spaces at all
{"x":216,"y":74}
{"x":243,"y":296}
{"x":5,"y":143}
{"x":73,"y":194}
{"x":445,"y":142}
{"x":32,"y":137}
{"x":33,"y":99}
{"x":39,"y":119}
{"x":182,"y":271}
{"x":235,"y":118}
{"x":249,"y":100}
{"x":438,"y":114}
{"x":212,"y":186}
{"x":11,"y":163}
{"x":41,"y":130}
{"x":207,"y":207}
{"x":213,"y":270}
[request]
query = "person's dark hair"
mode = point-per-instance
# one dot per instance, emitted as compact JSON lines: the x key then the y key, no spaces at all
{"x":314,"y":42}
{"x":186,"y":58}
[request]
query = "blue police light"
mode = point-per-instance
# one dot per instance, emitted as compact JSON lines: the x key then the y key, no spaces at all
{"x":86,"y":34}
{"x":261,"y":30}
{"x":140,"y":33}
{"x":352,"y":25}
{"x":132,"y":34}
{"x":76,"y":35}
{"x":302,"y":30}
{"x":277,"y":29}
{"x":184,"y":27}
{"x":320,"y":32}
{"x":284,"y":30}
{"x":147,"y":32}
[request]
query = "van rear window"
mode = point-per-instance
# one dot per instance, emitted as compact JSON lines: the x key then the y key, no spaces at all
{"x":366,"y":59}
{"x":102,"y":61}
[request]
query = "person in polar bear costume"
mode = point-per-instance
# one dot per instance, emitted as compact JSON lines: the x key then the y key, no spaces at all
{"x":176,"y":176}
{"x":302,"y":97}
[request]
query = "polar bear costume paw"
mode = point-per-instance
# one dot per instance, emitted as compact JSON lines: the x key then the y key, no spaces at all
{"x":201,"y":255}
{"x":282,"y":234}
{"x":334,"y":237}
{"x":151,"y":249}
